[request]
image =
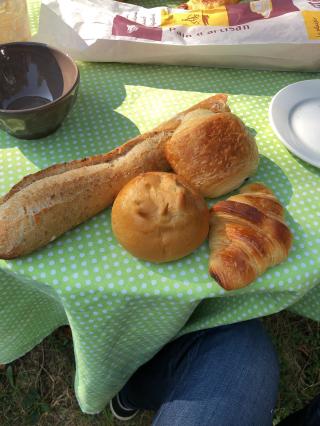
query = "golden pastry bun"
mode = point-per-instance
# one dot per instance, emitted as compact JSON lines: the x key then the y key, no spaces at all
{"x":214,"y":153}
{"x":157,"y":217}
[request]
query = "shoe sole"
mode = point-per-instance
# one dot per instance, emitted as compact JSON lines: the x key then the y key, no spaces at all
{"x":118,"y":417}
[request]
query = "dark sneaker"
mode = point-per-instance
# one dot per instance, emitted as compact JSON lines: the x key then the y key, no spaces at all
{"x":307,"y":416}
{"x":121,"y":412}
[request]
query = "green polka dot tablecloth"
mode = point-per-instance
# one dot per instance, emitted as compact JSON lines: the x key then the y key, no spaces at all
{"x":122,"y":310}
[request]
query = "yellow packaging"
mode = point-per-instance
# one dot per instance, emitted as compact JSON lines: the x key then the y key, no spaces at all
{"x":212,"y":17}
{"x":14,"y":21}
{"x":312,"y":21}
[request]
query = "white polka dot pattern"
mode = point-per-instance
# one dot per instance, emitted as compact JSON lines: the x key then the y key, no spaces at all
{"x":122,"y":310}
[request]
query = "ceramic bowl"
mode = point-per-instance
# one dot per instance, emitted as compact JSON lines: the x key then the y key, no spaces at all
{"x":38,"y":87}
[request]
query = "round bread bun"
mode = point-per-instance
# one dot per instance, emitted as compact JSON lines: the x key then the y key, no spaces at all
{"x":214,"y":153}
{"x":157,"y":217}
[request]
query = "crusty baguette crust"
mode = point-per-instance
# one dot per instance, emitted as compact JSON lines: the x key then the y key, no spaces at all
{"x":47,"y":208}
{"x":46,"y":204}
{"x":105,"y":158}
{"x":215,"y":103}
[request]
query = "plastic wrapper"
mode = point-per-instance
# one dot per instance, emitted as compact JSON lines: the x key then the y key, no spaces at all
{"x":264,"y":34}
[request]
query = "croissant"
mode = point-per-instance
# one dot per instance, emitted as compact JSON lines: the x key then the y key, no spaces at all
{"x":247,"y":236}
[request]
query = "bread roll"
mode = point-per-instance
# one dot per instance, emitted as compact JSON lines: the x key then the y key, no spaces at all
{"x":46,"y":204}
{"x":213,"y":152}
{"x":157,"y":217}
{"x":248,"y":235}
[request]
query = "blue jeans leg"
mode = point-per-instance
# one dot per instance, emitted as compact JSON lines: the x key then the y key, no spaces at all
{"x":225,"y":376}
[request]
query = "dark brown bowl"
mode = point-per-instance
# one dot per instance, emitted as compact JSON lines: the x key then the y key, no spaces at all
{"x":38,"y":86}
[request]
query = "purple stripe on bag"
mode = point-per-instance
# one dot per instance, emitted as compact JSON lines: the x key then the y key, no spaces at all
{"x":247,"y":12}
{"x":124,"y":27}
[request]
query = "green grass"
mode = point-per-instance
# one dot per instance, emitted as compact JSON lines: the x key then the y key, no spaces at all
{"x":38,"y":388}
{"x":297,"y":341}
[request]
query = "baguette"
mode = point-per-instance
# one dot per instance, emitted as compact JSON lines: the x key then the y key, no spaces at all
{"x":46,"y":204}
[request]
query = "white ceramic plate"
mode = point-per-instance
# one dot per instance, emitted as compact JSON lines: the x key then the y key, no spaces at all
{"x":294,"y":115}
